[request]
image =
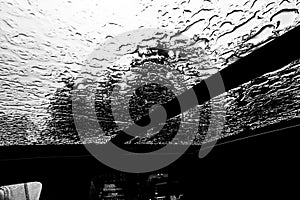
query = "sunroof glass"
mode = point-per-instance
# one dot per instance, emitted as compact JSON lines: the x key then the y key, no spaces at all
{"x":47,"y":47}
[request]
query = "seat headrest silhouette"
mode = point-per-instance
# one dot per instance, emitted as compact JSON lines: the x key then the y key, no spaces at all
{"x":22,"y":191}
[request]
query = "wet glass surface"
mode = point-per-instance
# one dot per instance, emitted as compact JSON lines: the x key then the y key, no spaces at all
{"x":44,"y":44}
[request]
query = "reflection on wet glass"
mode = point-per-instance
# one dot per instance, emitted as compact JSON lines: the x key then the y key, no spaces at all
{"x":44,"y":44}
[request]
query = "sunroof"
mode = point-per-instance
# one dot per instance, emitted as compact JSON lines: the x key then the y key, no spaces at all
{"x":47,"y":47}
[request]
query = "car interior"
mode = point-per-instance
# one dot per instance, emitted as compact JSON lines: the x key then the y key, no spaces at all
{"x":235,"y":65}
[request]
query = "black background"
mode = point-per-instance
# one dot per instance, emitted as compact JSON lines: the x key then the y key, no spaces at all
{"x":266,"y":164}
